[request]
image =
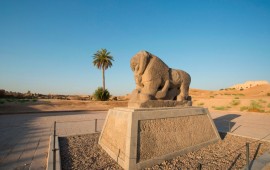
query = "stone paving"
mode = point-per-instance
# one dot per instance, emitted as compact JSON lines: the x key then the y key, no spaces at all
{"x":254,"y":125}
{"x":25,"y":137}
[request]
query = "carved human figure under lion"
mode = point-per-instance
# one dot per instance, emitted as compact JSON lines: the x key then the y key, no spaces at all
{"x":156,"y":81}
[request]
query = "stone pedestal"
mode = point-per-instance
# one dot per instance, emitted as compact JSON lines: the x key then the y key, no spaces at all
{"x":159,"y":103}
{"x":142,"y":137}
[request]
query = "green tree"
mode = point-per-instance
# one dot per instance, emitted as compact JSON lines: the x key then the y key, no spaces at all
{"x":102,"y":60}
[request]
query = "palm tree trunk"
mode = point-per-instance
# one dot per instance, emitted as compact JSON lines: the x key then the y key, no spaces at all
{"x":103,"y":78}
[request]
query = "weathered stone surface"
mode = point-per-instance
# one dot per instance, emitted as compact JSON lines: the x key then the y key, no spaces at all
{"x":141,"y":137}
{"x":114,"y":134}
{"x":159,"y":137}
{"x":156,"y":81}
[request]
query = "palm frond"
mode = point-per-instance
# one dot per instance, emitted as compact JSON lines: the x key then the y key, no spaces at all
{"x":102,"y":59}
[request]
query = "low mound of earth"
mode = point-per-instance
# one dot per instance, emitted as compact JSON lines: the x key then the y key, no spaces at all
{"x":83,"y":152}
{"x":257,"y":91}
{"x":253,"y":99}
{"x":249,"y":84}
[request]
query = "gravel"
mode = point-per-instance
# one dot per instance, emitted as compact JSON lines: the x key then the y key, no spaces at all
{"x":83,"y":152}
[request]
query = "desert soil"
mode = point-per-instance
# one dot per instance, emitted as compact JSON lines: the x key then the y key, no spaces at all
{"x":83,"y":152}
{"x":220,"y":100}
{"x":255,"y":99}
{"x":50,"y":105}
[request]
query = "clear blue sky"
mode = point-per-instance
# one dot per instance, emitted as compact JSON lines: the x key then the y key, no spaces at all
{"x":47,"y":46}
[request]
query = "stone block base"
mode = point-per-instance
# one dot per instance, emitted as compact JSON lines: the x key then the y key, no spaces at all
{"x":159,"y":103}
{"x":140,"y":138}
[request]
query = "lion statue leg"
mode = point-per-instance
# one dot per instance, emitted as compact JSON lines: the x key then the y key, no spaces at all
{"x":184,"y":88}
{"x":149,"y":90}
{"x":184,"y":83}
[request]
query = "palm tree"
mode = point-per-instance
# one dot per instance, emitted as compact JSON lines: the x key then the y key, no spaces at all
{"x":102,"y":60}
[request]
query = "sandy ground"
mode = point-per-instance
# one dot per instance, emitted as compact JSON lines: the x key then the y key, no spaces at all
{"x":234,"y":100}
{"x":50,"y":105}
{"x":256,"y":99}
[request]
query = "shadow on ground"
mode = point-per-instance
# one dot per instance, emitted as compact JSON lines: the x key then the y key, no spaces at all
{"x":25,"y":137}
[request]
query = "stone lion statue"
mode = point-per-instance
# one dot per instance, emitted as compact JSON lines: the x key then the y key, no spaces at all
{"x":156,"y":81}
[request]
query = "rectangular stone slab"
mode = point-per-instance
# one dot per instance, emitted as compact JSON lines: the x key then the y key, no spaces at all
{"x":139,"y":138}
{"x":159,"y":103}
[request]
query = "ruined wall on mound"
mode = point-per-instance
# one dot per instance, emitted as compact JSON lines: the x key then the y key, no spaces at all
{"x":249,"y":84}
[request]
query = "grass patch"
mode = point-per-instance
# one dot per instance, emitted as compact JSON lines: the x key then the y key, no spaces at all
{"x":23,"y":100}
{"x":240,"y":94}
{"x":200,"y":104}
{"x":212,"y":96}
{"x":255,"y":107}
{"x":219,"y":107}
{"x":235,"y":102}
{"x":2,"y":101}
{"x":11,"y":100}
{"x":268,"y":105}
{"x":236,"y":98}
{"x":243,"y":108}
{"x":34,"y":100}
{"x":262,"y":101}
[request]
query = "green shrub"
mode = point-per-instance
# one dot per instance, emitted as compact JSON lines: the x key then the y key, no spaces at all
{"x":236,"y":98}
{"x":2,"y":101}
{"x":34,"y":100}
{"x":101,"y":95}
{"x":235,"y":102}
{"x":268,"y":105}
{"x":23,"y":100}
{"x":212,"y":96}
{"x":219,"y":108}
{"x":200,"y":104}
{"x":268,"y":94}
{"x":243,"y":108}
{"x":10,"y":100}
{"x":262,"y":101}
{"x":255,"y":107}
